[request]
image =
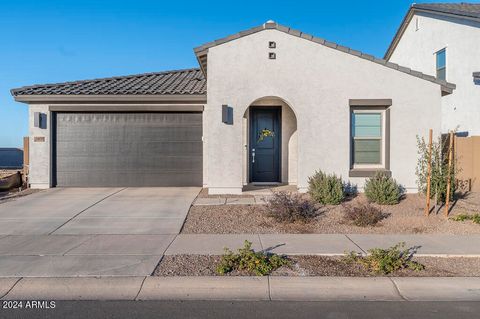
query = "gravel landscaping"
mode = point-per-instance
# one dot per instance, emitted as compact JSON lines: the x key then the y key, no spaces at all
{"x":404,"y":218}
{"x":202,"y":265}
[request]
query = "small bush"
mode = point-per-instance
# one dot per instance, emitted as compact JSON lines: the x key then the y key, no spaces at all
{"x":364,"y":215}
{"x":382,"y":189}
{"x":286,"y":207}
{"x":257,"y":263}
{"x":326,"y":189}
{"x":463,"y":217}
{"x":386,"y":261}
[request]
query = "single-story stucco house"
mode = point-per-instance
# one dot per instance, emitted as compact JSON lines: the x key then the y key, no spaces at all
{"x":267,"y":105}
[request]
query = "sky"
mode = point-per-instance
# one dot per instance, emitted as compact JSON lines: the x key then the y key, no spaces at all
{"x":56,"y":41}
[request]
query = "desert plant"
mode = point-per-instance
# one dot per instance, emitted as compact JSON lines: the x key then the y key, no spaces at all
{"x":326,"y":189}
{"x":382,"y":189}
{"x":246,"y":259}
{"x":439,"y":169}
{"x":363,"y":215}
{"x":287,"y":207}
{"x":463,"y":217}
{"x":386,"y":261}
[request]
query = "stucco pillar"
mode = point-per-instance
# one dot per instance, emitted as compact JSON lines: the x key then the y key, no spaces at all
{"x":40,"y":149}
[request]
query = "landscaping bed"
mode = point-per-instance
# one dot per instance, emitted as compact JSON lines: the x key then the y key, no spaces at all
{"x":407,"y":217}
{"x":203,"y":265}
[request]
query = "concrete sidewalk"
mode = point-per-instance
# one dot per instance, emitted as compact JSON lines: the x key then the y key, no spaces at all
{"x":243,"y":288}
{"x":326,"y":244}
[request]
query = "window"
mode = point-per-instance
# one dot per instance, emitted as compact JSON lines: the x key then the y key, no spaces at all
{"x":367,"y":138}
{"x":442,"y":64}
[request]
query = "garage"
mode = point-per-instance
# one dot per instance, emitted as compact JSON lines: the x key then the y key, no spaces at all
{"x":127,"y":149}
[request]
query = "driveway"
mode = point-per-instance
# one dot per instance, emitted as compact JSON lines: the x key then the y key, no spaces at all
{"x":90,"y":231}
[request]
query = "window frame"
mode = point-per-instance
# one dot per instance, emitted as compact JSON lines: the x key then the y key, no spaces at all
{"x":444,"y":68}
{"x":369,"y":110}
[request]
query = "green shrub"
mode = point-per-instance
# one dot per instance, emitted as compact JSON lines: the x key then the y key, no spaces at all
{"x":287,"y":207}
{"x":463,"y":217}
{"x":257,"y":263}
{"x":382,"y":189}
{"x":364,"y":215}
{"x":326,"y":189}
{"x":386,"y":261}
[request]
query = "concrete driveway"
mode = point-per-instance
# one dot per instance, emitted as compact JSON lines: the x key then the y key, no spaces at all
{"x":90,"y":231}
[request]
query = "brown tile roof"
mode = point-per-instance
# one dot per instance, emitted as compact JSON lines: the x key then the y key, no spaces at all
{"x":178,"y":82}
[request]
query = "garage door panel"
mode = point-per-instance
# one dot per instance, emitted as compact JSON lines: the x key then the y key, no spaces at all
{"x":129,"y":149}
{"x":114,"y":178}
{"x":160,"y":134}
{"x":133,"y":149}
{"x":170,"y":163}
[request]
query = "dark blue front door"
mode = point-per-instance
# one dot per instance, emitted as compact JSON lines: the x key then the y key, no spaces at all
{"x":265,"y":144}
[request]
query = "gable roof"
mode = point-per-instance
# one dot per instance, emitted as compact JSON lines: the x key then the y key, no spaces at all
{"x":185,"y":82}
{"x":460,"y":10}
{"x":202,"y":52}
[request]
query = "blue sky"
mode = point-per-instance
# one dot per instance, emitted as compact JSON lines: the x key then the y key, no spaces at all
{"x":55,"y":41}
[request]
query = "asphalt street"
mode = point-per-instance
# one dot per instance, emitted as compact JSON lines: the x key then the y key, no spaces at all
{"x":250,"y":310}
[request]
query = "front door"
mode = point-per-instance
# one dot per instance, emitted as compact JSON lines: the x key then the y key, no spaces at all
{"x":265,"y":144}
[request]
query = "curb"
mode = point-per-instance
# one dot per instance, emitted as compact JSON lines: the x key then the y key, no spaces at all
{"x":274,"y":288}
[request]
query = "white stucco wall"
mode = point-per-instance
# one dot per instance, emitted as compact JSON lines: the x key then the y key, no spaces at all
{"x":461,"y":38}
{"x":317,"y":82}
{"x":40,"y":165}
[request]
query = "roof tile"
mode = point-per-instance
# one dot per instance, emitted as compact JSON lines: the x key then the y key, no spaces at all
{"x":178,"y":82}
{"x":471,"y":10}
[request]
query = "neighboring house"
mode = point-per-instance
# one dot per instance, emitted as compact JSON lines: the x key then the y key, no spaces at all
{"x":444,"y":40}
{"x":279,"y":105}
{"x":11,"y":158}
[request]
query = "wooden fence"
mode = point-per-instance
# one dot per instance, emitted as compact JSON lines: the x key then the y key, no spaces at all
{"x":467,"y":153}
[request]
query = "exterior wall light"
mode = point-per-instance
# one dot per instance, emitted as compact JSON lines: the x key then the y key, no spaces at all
{"x":227,"y":114}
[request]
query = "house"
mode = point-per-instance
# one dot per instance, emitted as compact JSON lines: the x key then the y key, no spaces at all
{"x":279,"y":105}
{"x":443,"y":39}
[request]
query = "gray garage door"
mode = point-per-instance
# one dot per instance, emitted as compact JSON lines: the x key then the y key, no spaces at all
{"x":128,"y":149}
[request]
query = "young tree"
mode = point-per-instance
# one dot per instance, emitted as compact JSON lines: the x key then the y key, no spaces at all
{"x":439,"y":169}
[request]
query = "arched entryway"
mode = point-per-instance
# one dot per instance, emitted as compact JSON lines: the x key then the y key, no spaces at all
{"x":270,"y":141}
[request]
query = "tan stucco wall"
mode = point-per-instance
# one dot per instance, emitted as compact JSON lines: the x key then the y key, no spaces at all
{"x":317,"y":82}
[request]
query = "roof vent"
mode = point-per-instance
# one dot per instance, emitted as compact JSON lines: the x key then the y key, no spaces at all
{"x":270,"y":24}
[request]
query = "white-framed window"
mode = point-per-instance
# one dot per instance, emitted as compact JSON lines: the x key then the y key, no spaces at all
{"x":368,"y":138}
{"x":441,"y":64}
